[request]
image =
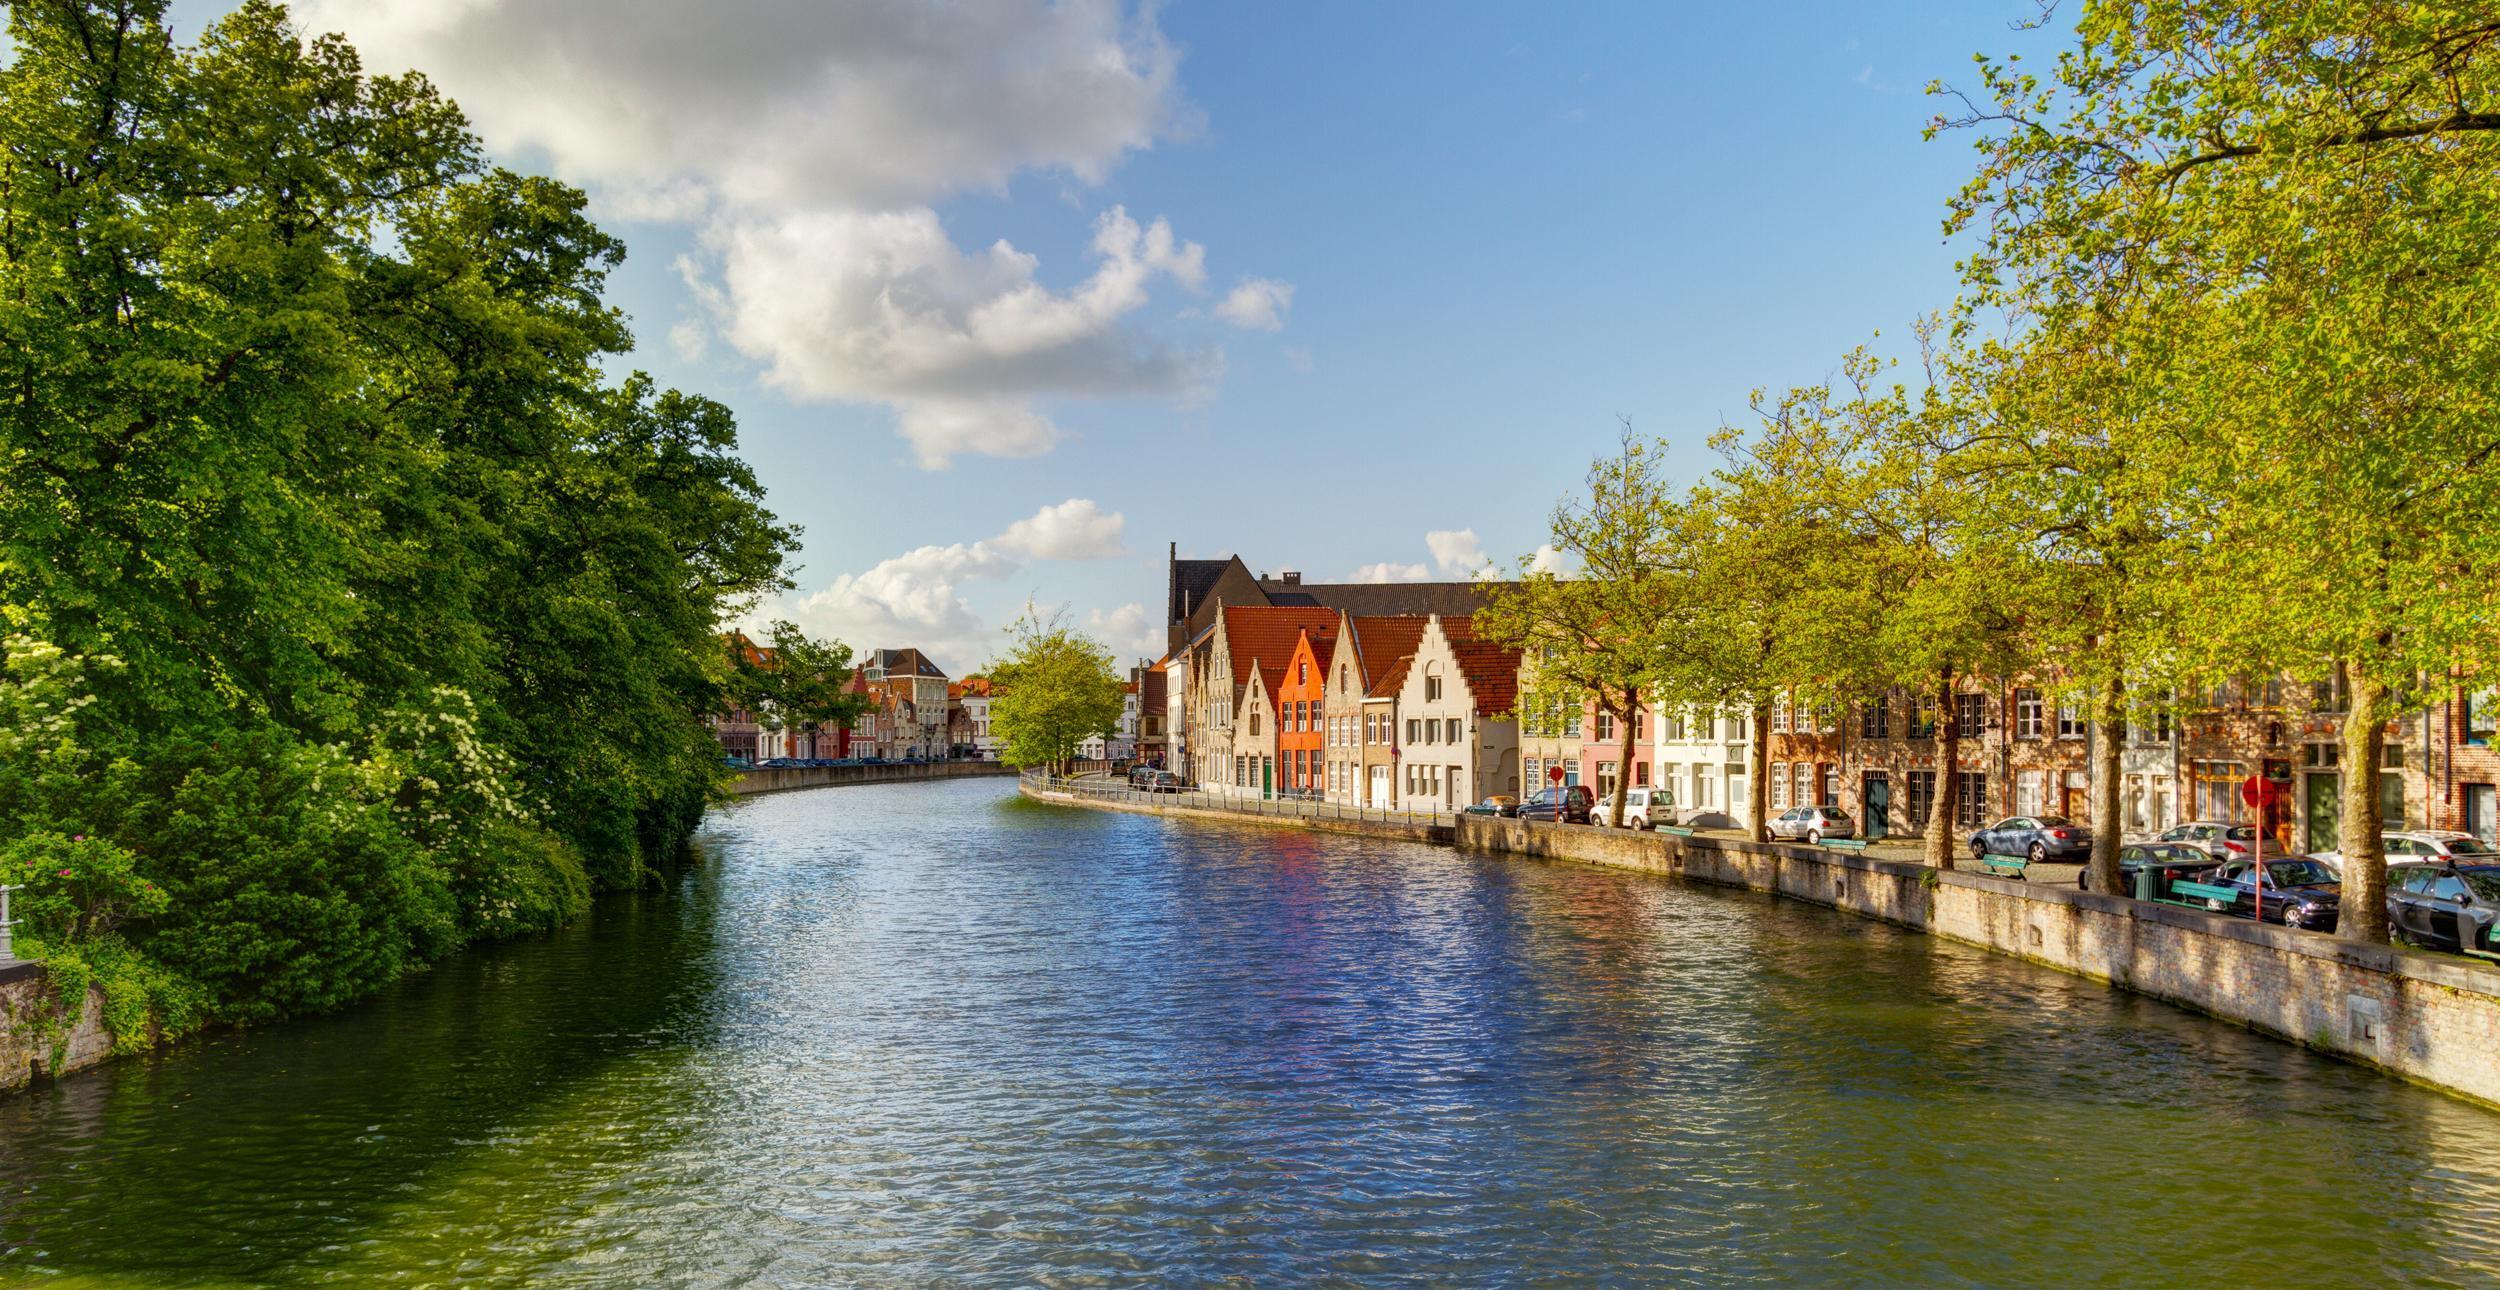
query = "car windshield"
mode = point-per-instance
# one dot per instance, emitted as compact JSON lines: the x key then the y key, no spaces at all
{"x":2299,"y":873}
{"x":2056,"y":822}
{"x":2471,"y":847}
{"x":2241,"y":833}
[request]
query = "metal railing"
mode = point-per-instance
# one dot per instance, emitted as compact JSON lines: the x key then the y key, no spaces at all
{"x":1241,"y":802}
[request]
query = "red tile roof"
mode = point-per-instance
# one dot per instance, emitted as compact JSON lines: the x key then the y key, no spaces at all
{"x":1266,"y":634}
{"x":1391,"y":677}
{"x":1380,"y":642}
{"x":1491,"y":668}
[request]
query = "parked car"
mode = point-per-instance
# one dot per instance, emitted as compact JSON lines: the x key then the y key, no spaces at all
{"x":2447,"y":906}
{"x":2169,"y":861}
{"x":1506,"y":804}
{"x":1643,"y":808}
{"x":2434,"y":846}
{"x":2221,"y":840}
{"x":2300,"y":892}
{"x":1157,"y":781}
{"x":1813,"y":824}
{"x":2037,"y":838}
{"x":1568,"y":805}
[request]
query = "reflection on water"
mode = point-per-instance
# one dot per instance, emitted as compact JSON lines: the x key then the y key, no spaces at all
{"x":935,"y":1034}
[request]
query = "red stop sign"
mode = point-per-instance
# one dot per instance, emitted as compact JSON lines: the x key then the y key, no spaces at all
{"x":1554,"y":773}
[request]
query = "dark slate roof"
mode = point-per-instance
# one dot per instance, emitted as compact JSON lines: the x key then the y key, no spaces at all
{"x":1382,"y":599}
{"x":1192,"y":580}
{"x":907,"y":662}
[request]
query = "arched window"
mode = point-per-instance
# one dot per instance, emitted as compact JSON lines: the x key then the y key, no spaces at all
{"x":1432,"y":681}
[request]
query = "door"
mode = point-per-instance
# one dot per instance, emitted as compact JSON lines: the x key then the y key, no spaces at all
{"x":1267,"y":777}
{"x":2325,"y":813}
{"x":2077,"y":803}
{"x":1877,"y":794}
{"x":2481,"y":801}
{"x":1380,"y":786}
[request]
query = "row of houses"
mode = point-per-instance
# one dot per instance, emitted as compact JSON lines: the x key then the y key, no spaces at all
{"x":914,"y":710}
{"x":1384,"y":696}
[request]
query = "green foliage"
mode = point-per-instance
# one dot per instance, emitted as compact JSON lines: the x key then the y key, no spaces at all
{"x":1054,"y":690}
{"x":794,"y":680}
{"x":352,"y":611}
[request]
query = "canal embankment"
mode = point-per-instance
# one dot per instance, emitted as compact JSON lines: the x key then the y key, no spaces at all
{"x":1321,"y":817}
{"x":2428,"y":1018}
{"x":783,"y":779}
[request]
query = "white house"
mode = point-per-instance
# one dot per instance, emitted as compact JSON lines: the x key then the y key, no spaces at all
{"x":1456,"y":743}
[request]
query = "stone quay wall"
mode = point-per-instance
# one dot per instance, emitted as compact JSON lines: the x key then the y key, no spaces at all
{"x":2429,"y":1018}
{"x":784,"y":780}
{"x":35,"y":1043}
{"x":1317,"y":817}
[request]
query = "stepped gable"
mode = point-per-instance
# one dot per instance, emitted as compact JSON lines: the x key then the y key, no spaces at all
{"x":1381,"y":641}
{"x":1382,"y":599}
{"x":1265,"y":634}
{"x":1491,"y":668}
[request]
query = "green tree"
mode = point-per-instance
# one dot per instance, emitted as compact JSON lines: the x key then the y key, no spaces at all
{"x":1054,"y":689}
{"x":2283,"y":215}
{"x":794,"y":679}
{"x":1595,"y":632}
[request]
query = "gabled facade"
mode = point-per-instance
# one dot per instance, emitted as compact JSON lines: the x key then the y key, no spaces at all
{"x":1235,"y":668}
{"x":1302,"y":713}
{"x":1357,"y":731}
{"x":1457,"y":745}
{"x":1549,"y":736}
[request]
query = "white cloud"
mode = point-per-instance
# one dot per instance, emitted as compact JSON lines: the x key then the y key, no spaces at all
{"x":691,"y":339}
{"x":883,"y":306}
{"x":1075,"y":529}
{"x":1127,"y":631}
{"x":874,"y":104}
{"x":1258,"y":304}
{"x":915,"y":599}
{"x":1548,"y":559}
{"x":1388,"y":572}
{"x":1456,"y":551}
{"x":805,"y":143}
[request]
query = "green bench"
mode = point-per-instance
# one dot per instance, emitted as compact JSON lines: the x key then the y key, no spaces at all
{"x":1676,"y":829}
{"x":2196,"y":895}
{"x":1845,"y":844}
{"x":2006,"y":866}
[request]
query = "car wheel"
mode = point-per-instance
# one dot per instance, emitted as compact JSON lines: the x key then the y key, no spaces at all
{"x":1814,"y":837}
{"x":1977,"y":848}
{"x":2039,"y":853}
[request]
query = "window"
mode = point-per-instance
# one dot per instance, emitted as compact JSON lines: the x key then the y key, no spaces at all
{"x":1605,"y":727}
{"x":2216,"y":786}
{"x":1571,"y":723}
{"x":1922,"y":724}
{"x":1640,"y":724}
{"x":2027,"y":792}
{"x":1254,"y":721}
{"x":1875,"y":719}
{"x":1918,"y":796}
{"x":1571,"y":772}
{"x":1779,"y":715}
{"x":1970,"y":801}
{"x":2027,"y":714}
{"x":1640,"y":774}
{"x":1414,"y":730}
{"x":2391,"y":757}
{"x":2070,"y":721}
{"x":1805,"y":784}
{"x":1454,"y":734}
{"x":1301,"y":674}
{"x":1241,"y":771}
{"x":1736,"y":729}
{"x":2482,"y":718}
{"x":1970,"y":714}
{"x":1671,"y":729}
{"x":1779,"y":785}
{"x":1432,"y":686}
{"x":1342,"y":673}
{"x":1532,"y":770}
{"x":2321,"y":755}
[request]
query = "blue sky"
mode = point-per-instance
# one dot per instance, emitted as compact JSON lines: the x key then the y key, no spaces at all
{"x":1501,"y":228}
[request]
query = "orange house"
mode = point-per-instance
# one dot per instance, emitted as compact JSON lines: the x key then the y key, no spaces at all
{"x":1301,"y":711}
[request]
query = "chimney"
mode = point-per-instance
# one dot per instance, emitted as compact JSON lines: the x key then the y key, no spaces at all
{"x":1290,"y":577}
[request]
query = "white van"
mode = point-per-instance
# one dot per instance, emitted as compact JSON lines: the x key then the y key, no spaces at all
{"x":1643,"y":808}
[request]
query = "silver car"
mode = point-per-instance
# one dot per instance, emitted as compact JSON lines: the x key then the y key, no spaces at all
{"x":1813,"y":824}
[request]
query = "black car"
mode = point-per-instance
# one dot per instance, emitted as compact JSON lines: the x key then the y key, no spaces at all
{"x":1570,"y":804}
{"x":2036,"y":838}
{"x":2169,"y":861}
{"x":2299,"y":893}
{"x":2451,"y":907}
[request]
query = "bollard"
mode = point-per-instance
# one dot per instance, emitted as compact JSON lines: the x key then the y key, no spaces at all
{"x":7,"y":952}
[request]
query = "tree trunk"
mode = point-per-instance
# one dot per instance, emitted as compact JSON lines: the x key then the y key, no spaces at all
{"x":1758,"y":772}
{"x":2104,"y":874}
{"x":2364,"y":913}
{"x":1948,"y":785}
{"x":1623,"y":768}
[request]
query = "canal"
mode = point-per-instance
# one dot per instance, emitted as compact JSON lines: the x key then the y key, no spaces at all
{"x":935,"y":1034}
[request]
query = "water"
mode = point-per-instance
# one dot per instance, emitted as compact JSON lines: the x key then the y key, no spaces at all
{"x":933,"y":1034}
